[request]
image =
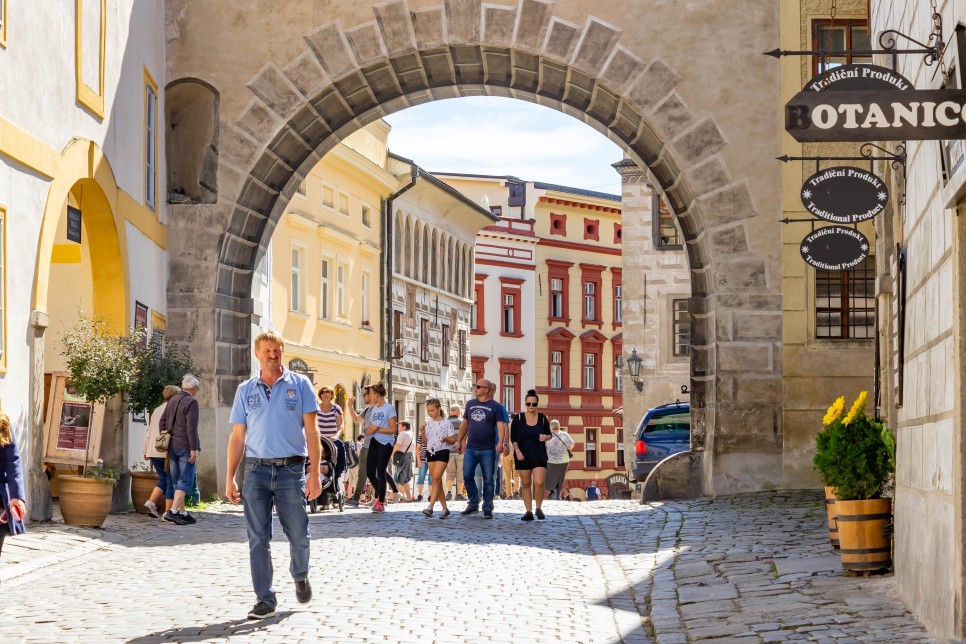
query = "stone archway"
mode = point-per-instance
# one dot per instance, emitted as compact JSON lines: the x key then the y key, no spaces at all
{"x":611,"y":72}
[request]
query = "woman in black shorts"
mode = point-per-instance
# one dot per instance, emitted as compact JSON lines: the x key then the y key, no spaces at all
{"x":438,"y":436}
{"x":529,"y":433}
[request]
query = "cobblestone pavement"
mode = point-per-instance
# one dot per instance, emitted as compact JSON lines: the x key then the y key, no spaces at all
{"x":750,"y":568}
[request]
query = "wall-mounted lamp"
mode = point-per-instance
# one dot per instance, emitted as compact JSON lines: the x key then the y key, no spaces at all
{"x":634,"y":368}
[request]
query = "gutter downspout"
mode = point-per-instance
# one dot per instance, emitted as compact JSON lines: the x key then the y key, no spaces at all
{"x":389,"y":262}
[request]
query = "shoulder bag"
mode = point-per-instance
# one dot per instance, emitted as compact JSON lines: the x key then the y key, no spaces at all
{"x":398,"y":458}
{"x":569,"y":453}
{"x":163,"y":441}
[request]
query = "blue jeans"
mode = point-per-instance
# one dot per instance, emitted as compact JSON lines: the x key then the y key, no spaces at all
{"x":423,"y":474}
{"x":165,"y":484}
{"x":182,"y":472}
{"x":486,"y":459}
{"x":283,"y":487}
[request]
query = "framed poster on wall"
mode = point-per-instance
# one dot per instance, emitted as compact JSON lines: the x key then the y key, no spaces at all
{"x":72,"y":432}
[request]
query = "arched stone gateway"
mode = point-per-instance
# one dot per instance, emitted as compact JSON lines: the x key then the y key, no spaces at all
{"x":697,"y":104}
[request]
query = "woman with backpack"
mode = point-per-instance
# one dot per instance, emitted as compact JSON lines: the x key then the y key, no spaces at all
{"x":529,"y":433}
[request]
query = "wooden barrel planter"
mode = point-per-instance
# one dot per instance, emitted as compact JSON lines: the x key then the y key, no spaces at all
{"x":142,"y":484}
{"x":861,"y":525}
{"x":833,"y":530}
{"x":84,"y":501}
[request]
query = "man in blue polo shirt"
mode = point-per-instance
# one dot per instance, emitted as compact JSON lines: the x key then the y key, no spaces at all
{"x":484,"y":427}
{"x":274,"y":428}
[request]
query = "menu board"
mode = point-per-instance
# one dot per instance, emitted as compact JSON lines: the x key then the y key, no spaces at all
{"x":73,"y":428}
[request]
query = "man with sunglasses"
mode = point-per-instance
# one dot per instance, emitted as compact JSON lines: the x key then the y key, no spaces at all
{"x":484,"y":426}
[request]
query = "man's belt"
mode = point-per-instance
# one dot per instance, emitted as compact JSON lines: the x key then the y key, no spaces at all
{"x":277,"y":462}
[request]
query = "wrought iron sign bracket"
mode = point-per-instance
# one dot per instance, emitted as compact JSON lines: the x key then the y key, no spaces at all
{"x":931,"y":50}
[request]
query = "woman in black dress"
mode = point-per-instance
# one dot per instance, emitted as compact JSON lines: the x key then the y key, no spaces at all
{"x":529,"y":433}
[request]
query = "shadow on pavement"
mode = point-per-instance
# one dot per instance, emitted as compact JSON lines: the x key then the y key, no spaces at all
{"x":211,"y":631}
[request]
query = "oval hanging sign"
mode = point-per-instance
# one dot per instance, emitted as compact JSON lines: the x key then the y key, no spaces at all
{"x":844,"y":195}
{"x":835,"y":248}
{"x":846,"y":78}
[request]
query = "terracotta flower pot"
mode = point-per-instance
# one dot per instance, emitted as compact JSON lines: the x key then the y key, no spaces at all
{"x":861,"y":524}
{"x":84,"y":501}
{"x":142,"y":484}
{"x":833,"y":529}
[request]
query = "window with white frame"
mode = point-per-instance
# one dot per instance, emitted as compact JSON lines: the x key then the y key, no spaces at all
{"x":556,"y":369}
{"x":508,"y":313}
{"x":324,"y":295}
{"x":366,"y":280}
{"x":328,"y":196}
{"x":682,"y":328}
{"x":509,"y":391}
{"x":590,"y":301}
{"x":340,"y":292}
{"x":590,"y":371}
{"x":150,"y":142}
{"x":298,"y":282}
{"x":344,"y":204}
{"x":619,"y":373}
{"x":620,"y":447}
{"x":556,"y":297}
{"x":590,"y":447}
{"x":618,"y":304}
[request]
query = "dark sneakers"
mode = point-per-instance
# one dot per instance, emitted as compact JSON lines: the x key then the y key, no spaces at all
{"x":540,"y":515}
{"x":261,"y":611}
{"x":190,"y":519}
{"x":303,"y":591}
{"x":172,"y":517}
{"x":487,"y":514}
{"x":469,"y":510}
{"x":527,"y":517}
{"x":352,"y":503}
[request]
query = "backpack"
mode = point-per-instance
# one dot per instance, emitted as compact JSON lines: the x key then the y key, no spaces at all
{"x":351,"y":454}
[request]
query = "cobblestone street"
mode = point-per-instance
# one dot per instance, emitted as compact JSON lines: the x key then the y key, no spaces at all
{"x":752,"y":568}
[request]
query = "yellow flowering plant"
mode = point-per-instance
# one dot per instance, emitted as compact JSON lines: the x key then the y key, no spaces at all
{"x":855,"y":454}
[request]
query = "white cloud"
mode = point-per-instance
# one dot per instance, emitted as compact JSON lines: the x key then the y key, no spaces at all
{"x":490,"y":135}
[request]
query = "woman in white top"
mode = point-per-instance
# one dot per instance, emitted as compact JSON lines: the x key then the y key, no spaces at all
{"x":164,"y":490}
{"x":438,"y":436}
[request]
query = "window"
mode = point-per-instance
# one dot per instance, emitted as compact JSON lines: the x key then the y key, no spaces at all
{"x":301,"y":188}
{"x":838,"y":36}
{"x":497,"y":210}
{"x":324,"y":293}
{"x":424,"y":340}
{"x":462,"y":350}
{"x":664,"y":229}
{"x":620,"y":447}
{"x":509,"y":391}
{"x":340,"y":296}
{"x":618,"y":303}
{"x":845,"y":302}
{"x":508,"y":307}
{"x":445,"y":345}
{"x":592,"y":229}
{"x":558,"y":224}
{"x":556,"y":297}
{"x":590,"y":371}
{"x":475,"y":322}
{"x":328,"y":196}
{"x":590,"y":301}
{"x":366,"y":217}
{"x":682,"y":328}
{"x":556,"y":369}
{"x":150,"y":141}
{"x":344,"y":204}
{"x":397,"y":334}
{"x":90,"y":38}
{"x":618,"y":370}
{"x":298,"y":263}
{"x":366,"y":279}
{"x":590,"y":447}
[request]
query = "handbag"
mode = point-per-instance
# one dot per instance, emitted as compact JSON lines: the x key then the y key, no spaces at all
{"x":398,"y":458}
{"x":569,"y":453}
{"x":163,"y":441}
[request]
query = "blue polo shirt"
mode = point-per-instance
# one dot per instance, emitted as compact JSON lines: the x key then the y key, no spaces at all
{"x":274,"y":427}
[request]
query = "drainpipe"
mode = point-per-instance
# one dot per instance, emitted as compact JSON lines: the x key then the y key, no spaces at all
{"x":388,"y":264}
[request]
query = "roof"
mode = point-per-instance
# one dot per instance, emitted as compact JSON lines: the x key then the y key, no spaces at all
{"x":446,"y":188}
{"x":506,"y":177}
{"x":576,"y":191}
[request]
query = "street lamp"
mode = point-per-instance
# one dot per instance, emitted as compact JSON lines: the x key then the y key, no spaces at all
{"x":634,"y":368}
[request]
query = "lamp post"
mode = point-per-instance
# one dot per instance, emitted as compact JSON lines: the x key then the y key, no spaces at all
{"x":634,"y":368}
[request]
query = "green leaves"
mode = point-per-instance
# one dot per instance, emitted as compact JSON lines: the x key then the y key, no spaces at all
{"x":855,"y":458}
{"x":158,"y":364}
{"x":101,"y":365}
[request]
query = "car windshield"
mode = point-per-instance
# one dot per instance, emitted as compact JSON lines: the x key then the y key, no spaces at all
{"x":669,"y":423}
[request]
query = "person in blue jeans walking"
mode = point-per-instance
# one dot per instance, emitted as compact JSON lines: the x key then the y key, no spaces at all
{"x":274,"y":427}
{"x":181,"y":420}
{"x":163,"y":493}
{"x":483,"y":427}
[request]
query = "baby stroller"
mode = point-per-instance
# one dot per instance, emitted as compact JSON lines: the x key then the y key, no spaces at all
{"x":334,"y":467}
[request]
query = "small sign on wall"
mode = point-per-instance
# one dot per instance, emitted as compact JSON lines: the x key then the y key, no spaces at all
{"x":73,"y":224}
{"x":74,"y":426}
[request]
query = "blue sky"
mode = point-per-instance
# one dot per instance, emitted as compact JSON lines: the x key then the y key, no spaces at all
{"x":493,"y":135}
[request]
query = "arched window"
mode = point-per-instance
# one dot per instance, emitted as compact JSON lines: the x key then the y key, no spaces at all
{"x":417,"y":250}
{"x":425,"y":254}
{"x":434,"y":260}
{"x":191,"y":140}
{"x":471,"y":260}
{"x":448,"y":265}
{"x":408,"y":249}
{"x":397,"y":246}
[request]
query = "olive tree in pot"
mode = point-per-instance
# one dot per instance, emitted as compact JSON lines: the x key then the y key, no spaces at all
{"x":855,"y":456}
{"x":101,"y":366}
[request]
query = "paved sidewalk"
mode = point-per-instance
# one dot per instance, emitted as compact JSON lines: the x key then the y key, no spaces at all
{"x":751,"y":568}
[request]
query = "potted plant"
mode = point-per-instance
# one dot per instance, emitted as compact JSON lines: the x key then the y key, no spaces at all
{"x":143,"y":481}
{"x":832,"y":418}
{"x":101,"y":366}
{"x":855,"y":456}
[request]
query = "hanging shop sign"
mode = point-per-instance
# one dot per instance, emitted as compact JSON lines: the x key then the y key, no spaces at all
{"x":844,"y":195}
{"x":894,"y":115}
{"x":834,"y":248}
{"x":853,"y":78}
{"x":73,"y":224}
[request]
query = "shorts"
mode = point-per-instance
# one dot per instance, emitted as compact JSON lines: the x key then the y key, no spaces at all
{"x":441,"y":456}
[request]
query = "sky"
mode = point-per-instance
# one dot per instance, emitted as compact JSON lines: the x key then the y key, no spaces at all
{"x":495,"y":135}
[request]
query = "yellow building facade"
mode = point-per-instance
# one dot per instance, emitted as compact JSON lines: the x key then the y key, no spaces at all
{"x":319,"y":283}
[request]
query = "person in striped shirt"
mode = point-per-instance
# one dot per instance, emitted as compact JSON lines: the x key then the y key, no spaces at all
{"x":329,"y":418}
